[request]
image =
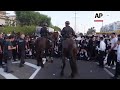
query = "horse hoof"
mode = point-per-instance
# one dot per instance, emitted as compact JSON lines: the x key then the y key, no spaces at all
{"x":62,"y":74}
{"x":51,"y":61}
{"x":42,"y":65}
{"x":71,"y":76}
{"x":61,"y":66}
{"x":46,"y":60}
{"x":38,"y":64}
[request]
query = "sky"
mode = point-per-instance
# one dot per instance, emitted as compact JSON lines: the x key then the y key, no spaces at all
{"x":84,"y":19}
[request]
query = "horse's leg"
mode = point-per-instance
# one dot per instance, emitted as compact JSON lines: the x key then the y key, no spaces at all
{"x":52,"y":53}
{"x":63,"y":65}
{"x":38,"y":59}
{"x":46,"y":54}
{"x":41,"y":56}
{"x":73,"y":64}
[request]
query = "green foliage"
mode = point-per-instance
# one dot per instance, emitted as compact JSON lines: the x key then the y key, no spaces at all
{"x":31,"y":18}
{"x":24,"y":29}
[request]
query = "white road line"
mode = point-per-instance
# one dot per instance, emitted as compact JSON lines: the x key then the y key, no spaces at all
{"x":107,"y":71}
{"x":16,"y":62}
{"x":6,"y":75}
{"x":31,"y":65}
{"x":10,"y":76}
{"x":35,"y":73}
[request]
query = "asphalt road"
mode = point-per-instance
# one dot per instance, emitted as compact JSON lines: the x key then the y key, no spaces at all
{"x":87,"y":70}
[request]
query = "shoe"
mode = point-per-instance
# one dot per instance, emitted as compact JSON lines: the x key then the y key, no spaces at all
{"x":9,"y":71}
{"x":113,"y":68}
{"x":107,"y":66}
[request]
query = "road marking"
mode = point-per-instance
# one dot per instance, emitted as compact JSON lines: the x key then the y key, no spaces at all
{"x":107,"y":71}
{"x":35,"y":73}
{"x":7,"y":75}
{"x":31,"y":65}
{"x":11,"y":76}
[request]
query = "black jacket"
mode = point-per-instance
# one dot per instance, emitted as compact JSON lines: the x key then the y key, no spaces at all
{"x":67,"y":32}
{"x":44,"y":32}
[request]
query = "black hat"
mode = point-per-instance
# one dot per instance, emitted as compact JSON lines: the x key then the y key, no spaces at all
{"x":45,"y":24}
{"x":7,"y":37}
{"x":67,"y":22}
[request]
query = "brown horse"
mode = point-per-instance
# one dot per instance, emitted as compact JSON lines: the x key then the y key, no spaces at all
{"x":43,"y":48}
{"x":69,"y":50}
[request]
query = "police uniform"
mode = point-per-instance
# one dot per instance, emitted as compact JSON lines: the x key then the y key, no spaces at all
{"x":44,"y":32}
{"x":21,"y":50}
{"x":67,"y":32}
{"x":14,"y":51}
{"x":7,"y":56}
{"x":1,"y":53}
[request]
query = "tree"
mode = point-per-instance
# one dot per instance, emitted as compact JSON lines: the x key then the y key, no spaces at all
{"x":31,"y":18}
{"x":91,"y":30}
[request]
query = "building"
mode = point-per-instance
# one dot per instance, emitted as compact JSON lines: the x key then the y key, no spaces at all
{"x":111,"y":27}
{"x":7,"y":20}
{"x":11,"y":20}
{"x":2,"y":18}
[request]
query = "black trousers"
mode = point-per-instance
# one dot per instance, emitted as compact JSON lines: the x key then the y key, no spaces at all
{"x":14,"y":53}
{"x":112,"y":57}
{"x":117,"y":70}
{"x":22,"y":56}
{"x":101,"y":58}
{"x":8,"y":63}
{"x":1,"y":58}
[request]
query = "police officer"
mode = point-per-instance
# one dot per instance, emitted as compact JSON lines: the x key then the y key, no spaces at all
{"x":44,"y":31}
{"x":14,"y":51}
{"x":67,"y":31}
{"x":8,"y":53}
{"x":21,"y":47}
{"x":1,"y":49}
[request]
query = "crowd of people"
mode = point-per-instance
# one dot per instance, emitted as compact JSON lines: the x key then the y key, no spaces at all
{"x":90,"y":48}
{"x":100,"y":48}
{"x":15,"y":48}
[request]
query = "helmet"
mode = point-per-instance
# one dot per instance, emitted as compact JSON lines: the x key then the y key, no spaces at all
{"x":45,"y":24}
{"x":67,"y":22}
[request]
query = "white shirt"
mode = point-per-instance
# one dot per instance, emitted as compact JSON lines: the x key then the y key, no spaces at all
{"x":118,"y":53}
{"x":113,"y":42}
{"x":102,"y":46}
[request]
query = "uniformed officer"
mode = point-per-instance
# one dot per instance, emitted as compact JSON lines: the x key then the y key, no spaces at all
{"x":67,"y":31}
{"x":21,"y":47}
{"x":14,"y":51}
{"x":8,"y":53}
{"x":44,"y":31}
{"x":1,"y":49}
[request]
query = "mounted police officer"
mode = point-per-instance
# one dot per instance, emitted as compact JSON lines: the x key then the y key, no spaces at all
{"x":44,"y":31}
{"x":67,"y":31}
